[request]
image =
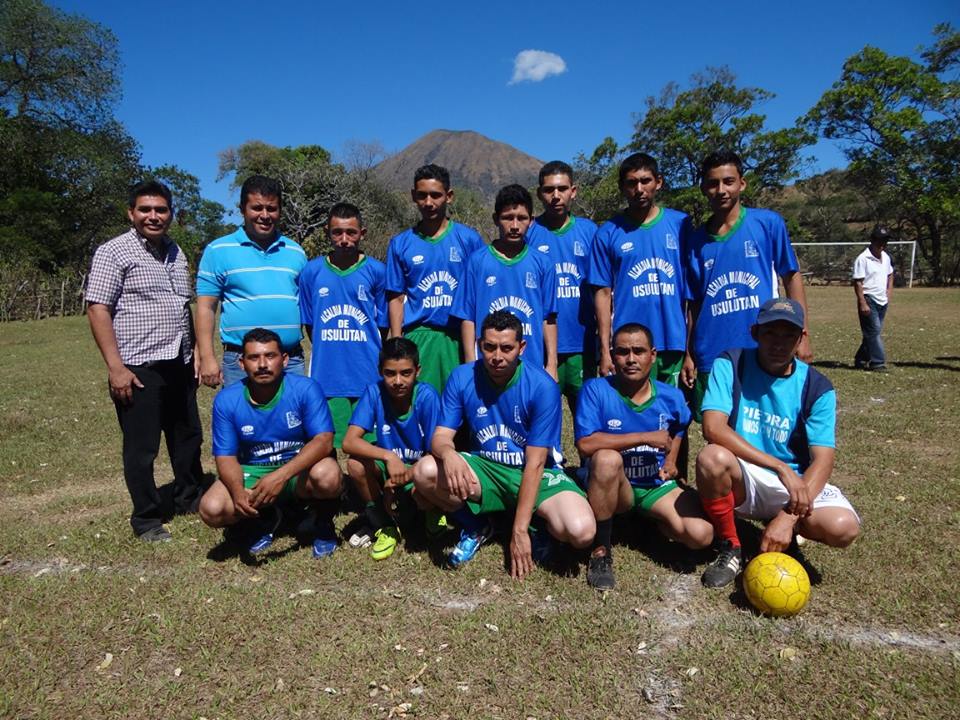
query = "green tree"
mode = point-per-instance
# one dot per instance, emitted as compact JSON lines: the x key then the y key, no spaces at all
{"x":898,"y":122}
{"x":197,"y":220}
{"x":598,"y":193}
{"x":681,"y":127}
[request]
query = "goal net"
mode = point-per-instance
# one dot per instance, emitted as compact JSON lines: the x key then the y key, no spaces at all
{"x":832,"y":262}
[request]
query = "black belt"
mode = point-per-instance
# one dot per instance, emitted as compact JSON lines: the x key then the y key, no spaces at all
{"x":295,"y":351}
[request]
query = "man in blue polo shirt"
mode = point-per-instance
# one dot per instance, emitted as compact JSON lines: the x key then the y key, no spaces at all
{"x":769,"y":420}
{"x":253,"y":272}
{"x":273,"y":441}
{"x":512,"y":412}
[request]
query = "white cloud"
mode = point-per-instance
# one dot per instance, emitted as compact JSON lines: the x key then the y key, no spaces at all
{"x":535,"y":65}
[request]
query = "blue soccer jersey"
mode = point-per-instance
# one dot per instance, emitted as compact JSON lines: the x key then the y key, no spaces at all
{"x":346,"y":309}
{"x":643,"y":264}
{"x":429,"y":270}
{"x":524,"y":285}
{"x":407,"y":435}
{"x":768,"y":408}
{"x":601,"y":408}
{"x":569,"y":250}
{"x":269,"y":434}
{"x":503,"y":421}
{"x":732,"y":276}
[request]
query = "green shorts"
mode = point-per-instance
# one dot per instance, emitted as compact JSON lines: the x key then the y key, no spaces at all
{"x":699,"y":390}
{"x":646,"y":498}
{"x":382,"y":467}
{"x":572,"y":370}
{"x":439,"y":354}
{"x":341,"y":408}
{"x":500,"y":485}
{"x":253,"y":473}
{"x":667,"y":367}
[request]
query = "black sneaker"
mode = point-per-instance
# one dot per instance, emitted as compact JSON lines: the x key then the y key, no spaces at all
{"x":724,"y":569}
{"x":155,"y":535}
{"x":600,"y":572}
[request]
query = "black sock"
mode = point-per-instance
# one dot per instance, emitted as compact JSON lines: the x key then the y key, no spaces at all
{"x":604,"y":529}
{"x":326,"y":510}
{"x":376,"y":516}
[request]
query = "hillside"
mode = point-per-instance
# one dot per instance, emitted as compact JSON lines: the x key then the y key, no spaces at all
{"x":475,"y":162}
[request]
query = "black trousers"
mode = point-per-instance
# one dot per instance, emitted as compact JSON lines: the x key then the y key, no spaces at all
{"x":166,"y":403}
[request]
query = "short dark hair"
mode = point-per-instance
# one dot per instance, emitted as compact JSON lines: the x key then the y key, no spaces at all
{"x":432,"y":172}
{"x":502,"y":320}
{"x":633,"y":327}
{"x":637,"y":161}
{"x":345,"y":211}
{"x":718,"y":158}
{"x":262,"y":185}
{"x":149,"y":187}
{"x":554,"y":167}
{"x":399,"y":348}
{"x":513,"y":195}
{"x":261,"y":335}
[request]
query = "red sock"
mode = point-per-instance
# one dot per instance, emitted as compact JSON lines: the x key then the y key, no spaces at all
{"x":720,"y":512}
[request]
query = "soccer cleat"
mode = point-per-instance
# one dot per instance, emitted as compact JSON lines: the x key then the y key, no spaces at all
{"x":435,"y":523}
{"x":362,"y":538}
{"x":325,"y":543}
{"x":600,"y":572}
{"x":386,"y":542}
{"x":725,"y":568}
{"x":468,"y":544}
{"x":265,"y":522}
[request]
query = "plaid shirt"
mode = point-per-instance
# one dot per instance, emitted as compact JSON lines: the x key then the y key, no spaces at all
{"x":148,"y":291}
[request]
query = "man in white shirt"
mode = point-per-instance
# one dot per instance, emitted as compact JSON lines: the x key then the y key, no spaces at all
{"x":873,"y":284}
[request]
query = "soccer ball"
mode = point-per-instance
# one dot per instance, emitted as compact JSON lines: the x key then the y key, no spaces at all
{"x":776,"y":584}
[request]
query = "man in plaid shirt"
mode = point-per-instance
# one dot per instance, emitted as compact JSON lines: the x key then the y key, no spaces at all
{"x":138,"y":296}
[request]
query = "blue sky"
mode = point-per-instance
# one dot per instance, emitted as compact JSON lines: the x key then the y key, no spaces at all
{"x":202,"y":76}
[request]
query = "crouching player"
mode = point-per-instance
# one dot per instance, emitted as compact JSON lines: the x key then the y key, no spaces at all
{"x":769,"y":421}
{"x":630,"y":427}
{"x":403,"y":413}
{"x":512,"y":410}
{"x":273,"y":441}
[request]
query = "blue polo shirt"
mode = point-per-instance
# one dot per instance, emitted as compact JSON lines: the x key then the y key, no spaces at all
{"x":257,"y":287}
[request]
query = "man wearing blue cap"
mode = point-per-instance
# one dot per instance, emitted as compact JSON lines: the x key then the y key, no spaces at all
{"x":769,"y":420}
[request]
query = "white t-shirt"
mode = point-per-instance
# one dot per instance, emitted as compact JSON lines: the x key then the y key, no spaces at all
{"x":874,"y":272}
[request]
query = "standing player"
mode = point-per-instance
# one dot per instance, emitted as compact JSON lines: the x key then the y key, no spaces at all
{"x":272,"y":439}
{"x":733,"y":261}
{"x":631,"y":426}
{"x":403,"y":413}
{"x":567,"y":241}
{"x":343,"y":307}
{"x":512,"y":411}
{"x":873,"y":285}
{"x":769,"y":420}
{"x":253,"y":272}
{"x":425,"y":265}
{"x":507,"y":276}
{"x":638,"y":259}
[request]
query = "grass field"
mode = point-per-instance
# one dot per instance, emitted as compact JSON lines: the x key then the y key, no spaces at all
{"x":94,"y":624}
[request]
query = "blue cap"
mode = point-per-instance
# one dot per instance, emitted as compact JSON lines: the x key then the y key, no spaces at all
{"x":781,"y":309}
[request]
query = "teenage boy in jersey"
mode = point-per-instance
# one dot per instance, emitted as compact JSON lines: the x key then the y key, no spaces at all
{"x":425,"y":265}
{"x":507,"y":276}
{"x":273,"y":441}
{"x":637,"y":258}
{"x":343,"y":307}
{"x":253,"y":272}
{"x":769,"y":420}
{"x":567,"y":241}
{"x":512,"y":411}
{"x":403,"y":413}
{"x":631,"y":426}
{"x":873,"y":285}
{"x":733,"y":261}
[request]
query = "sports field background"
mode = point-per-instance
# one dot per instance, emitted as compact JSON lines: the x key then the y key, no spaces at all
{"x":94,"y":624}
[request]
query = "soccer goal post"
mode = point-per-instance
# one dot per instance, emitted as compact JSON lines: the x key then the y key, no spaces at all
{"x":829,"y":262}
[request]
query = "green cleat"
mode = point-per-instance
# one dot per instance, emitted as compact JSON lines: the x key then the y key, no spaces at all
{"x":435,"y":524}
{"x":385,"y":542}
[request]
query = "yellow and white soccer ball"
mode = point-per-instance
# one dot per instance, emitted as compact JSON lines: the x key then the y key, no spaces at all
{"x":776,"y":584}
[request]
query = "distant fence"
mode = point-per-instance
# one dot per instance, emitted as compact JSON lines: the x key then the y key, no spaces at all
{"x":26,"y":293}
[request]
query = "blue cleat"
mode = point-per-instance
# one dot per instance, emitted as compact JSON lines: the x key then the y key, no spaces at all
{"x":326,"y":541}
{"x":468,"y":544}
{"x":268,"y":523}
